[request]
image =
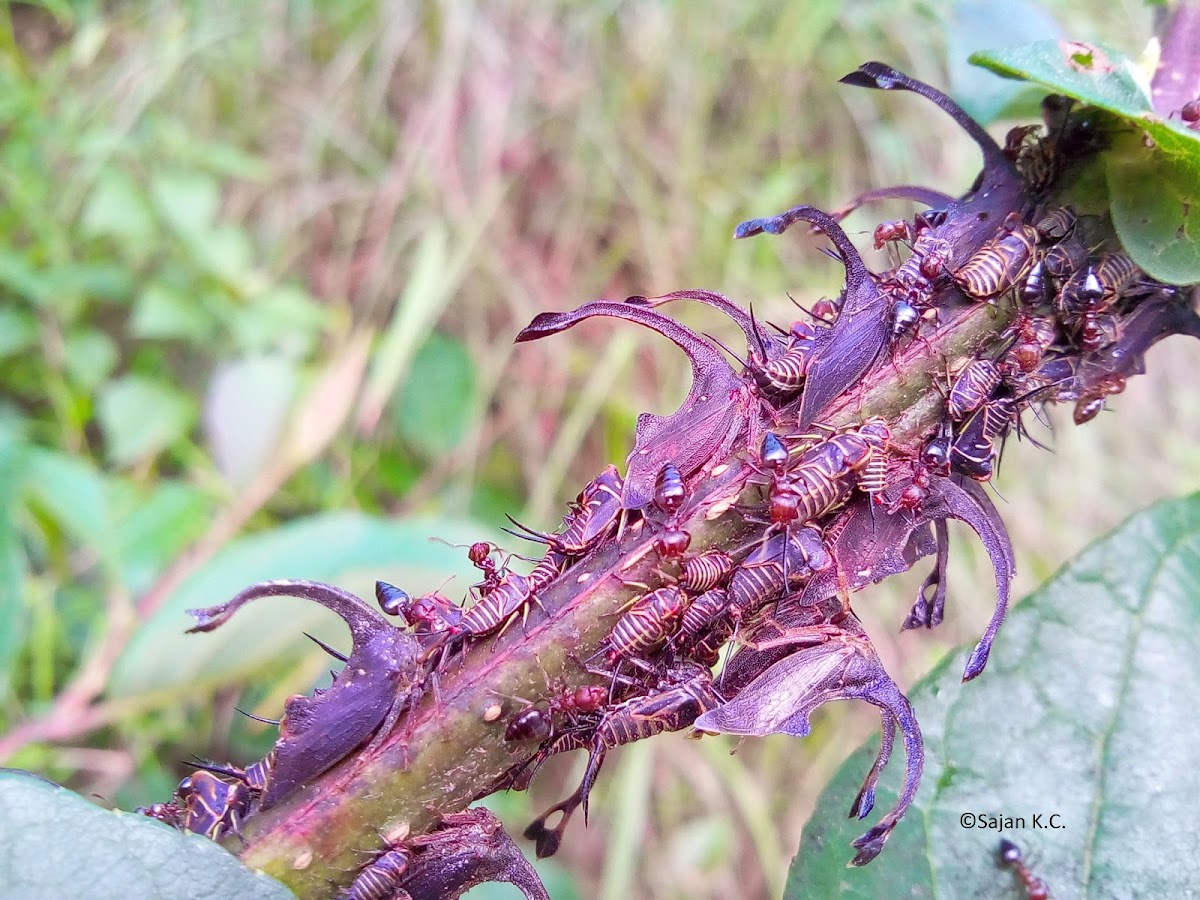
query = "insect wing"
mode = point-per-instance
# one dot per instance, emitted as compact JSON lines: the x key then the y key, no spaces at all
{"x":780,"y":700}
{"x":321,"y":731}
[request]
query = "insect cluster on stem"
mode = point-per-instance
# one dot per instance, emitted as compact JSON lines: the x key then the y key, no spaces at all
{"x":750,"y":635}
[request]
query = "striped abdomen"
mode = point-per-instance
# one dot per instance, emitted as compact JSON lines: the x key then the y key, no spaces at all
{"x":599,"y":507}
{"x":492,"y":611}
{"x":1063,"y":259}
{"x":668,"y":710}
{"x":548,"y":568}
{"x":1056,"y":224}
{"x":1116,"y":272}
{"x":818,"y":492}
{"x":702,"y":612}
{"x":754,"y":584}
{"x":999,"y":265}
{"x":784,"y":374}
{"x":257,"y":773}
{"x":705,"y":571}
{"x":972,"y":388}
{"x":647,"y":623}
{"x":380,"y":879}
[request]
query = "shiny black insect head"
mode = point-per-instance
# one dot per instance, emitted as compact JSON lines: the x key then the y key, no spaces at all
{"x":391,"y":599}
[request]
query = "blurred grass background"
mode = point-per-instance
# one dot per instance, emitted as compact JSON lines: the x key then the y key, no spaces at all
{"x":260,"y":268}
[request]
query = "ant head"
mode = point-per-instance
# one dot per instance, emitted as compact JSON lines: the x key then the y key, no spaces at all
{"x":1087,"y":409}
{"x":825,"y":309}
{"x":889,"y":231}
{"x":1012,"y":222}
{"x":934,"y":259}
{"x":479,"y":551}
{"x":773,"y":453}
{"x":391,"y":599}
{"x":673,"y":543}
{"x":426,"y":610}
{"x":1009,"y":852}
{"x":589,"y":697}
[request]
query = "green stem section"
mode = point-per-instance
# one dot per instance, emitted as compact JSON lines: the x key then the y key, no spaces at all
{"x":451,"y":747}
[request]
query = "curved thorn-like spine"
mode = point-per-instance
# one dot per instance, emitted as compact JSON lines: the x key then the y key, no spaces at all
{"x":883,"y":77}
{"x":856,"y":269}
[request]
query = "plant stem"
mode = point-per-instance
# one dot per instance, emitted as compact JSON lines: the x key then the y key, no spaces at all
{"x":440,"y":759}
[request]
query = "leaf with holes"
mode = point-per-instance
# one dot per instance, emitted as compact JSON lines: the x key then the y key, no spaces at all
{"x":1091,"y":73}
{"x":1084,"y":720}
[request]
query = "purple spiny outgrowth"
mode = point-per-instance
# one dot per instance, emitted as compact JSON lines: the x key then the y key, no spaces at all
{"x":707,"y":425}
{"x":830,"y":662}
{"x":380,"y":677}
{"x":468,"y":849}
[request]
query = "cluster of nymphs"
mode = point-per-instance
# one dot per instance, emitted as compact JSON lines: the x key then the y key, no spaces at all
{"x":823,"y":510}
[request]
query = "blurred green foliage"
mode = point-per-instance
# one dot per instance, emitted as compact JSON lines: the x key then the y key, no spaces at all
{"x":260,"y":267}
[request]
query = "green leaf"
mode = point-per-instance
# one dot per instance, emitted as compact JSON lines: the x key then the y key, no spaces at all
{"x":90,"y":358}
{"x":18,"y":330}
{"x":1085,"y":712}
{"x":1156,"y":208}
{"x":1153,"y":171}
{"x":75,"y":495}
{"x":187,"y":201}
{"x":56,"y":844}
{"x":434,"y":421}
{"x":1092,"y":73}
{"x":282,"y":317}
{"x":227,"y":253}
{"x":163,"y":312}
{"x":156,"y":526}
{"x":346,"y":549}
{"x":433,"y":278}
{"x":141,"y":417}
{"x":117,"y":207}
{"x":18,"y":276}
{"x":178,"y":140}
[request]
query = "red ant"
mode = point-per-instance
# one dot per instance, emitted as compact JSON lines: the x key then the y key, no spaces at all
{"x":1010,"y":855}
{"x":534,"y":723}
{"x":669,"y":494}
